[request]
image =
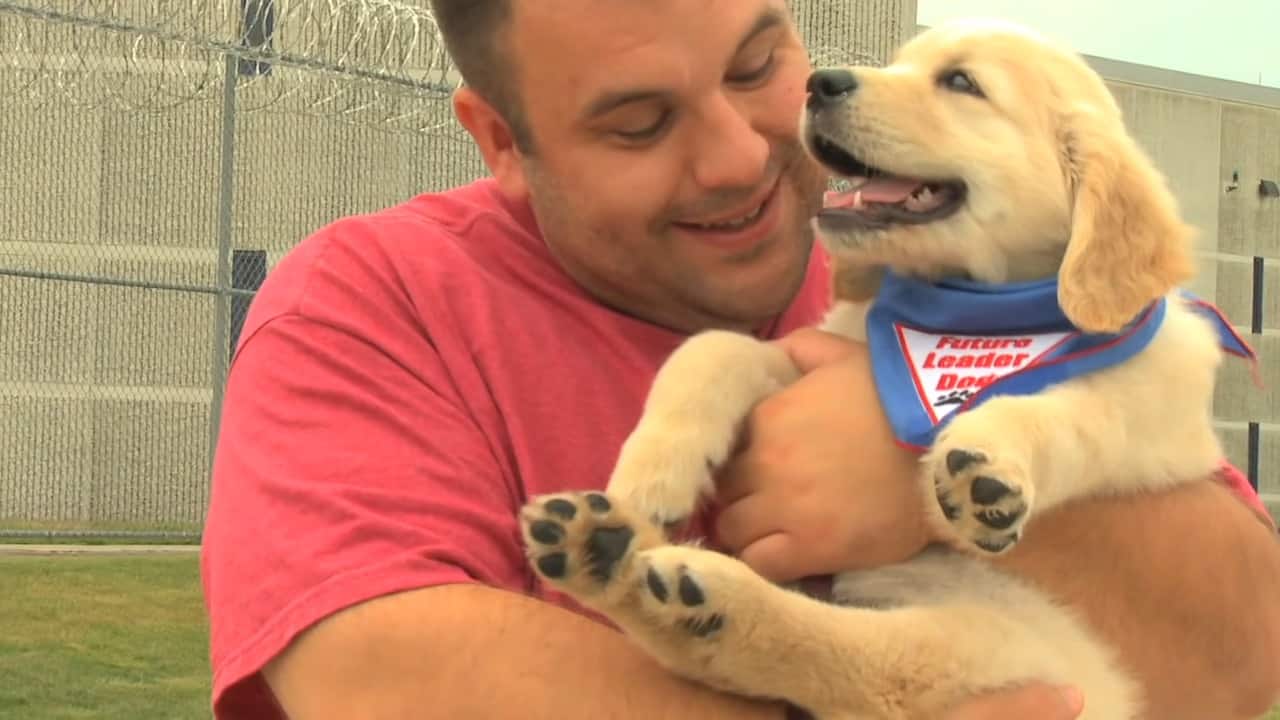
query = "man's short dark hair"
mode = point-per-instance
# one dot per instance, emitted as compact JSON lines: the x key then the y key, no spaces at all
{"x":475,"y":34}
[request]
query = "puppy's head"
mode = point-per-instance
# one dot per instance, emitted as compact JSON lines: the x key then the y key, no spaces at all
{"x":987,"y":152}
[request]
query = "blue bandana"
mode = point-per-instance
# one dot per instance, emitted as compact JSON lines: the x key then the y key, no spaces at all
{"x":942,"y":348}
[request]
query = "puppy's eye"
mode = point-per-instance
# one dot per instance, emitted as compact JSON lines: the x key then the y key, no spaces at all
{"x":960,"y":81}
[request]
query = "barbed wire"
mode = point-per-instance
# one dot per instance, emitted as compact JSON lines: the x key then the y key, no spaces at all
{"x":375,"y":62}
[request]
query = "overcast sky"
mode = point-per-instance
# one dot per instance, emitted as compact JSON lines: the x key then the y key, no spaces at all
{"x":1231,"y":39}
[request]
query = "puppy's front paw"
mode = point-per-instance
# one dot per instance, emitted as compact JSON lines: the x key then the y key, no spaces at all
{"x":663,"y":472}
{"x":983,"y":494}
{"x":584,"y":543}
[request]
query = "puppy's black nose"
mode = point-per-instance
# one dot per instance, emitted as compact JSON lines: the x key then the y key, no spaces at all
{"x":829,"y":86}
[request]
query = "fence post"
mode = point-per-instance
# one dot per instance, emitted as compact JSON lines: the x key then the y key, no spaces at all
{"x":219,"y":354}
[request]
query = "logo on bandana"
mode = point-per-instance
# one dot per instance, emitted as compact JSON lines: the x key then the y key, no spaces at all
{"x":948,"y":369}
{"x":938,"y":349}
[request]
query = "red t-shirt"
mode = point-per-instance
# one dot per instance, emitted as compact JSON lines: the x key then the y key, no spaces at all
{"x":403,"y":382}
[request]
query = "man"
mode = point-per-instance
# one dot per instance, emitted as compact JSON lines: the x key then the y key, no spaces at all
{"x":407,"y":378}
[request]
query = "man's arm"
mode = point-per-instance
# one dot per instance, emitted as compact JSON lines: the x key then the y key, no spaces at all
{"x":1183,"y":583}
{"x":469,"y":651}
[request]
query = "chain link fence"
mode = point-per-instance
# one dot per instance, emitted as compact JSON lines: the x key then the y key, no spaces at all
{"x":159,"y":157}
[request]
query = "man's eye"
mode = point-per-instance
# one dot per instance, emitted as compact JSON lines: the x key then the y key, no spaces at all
{"x":755,"y":75}
{"x":645,"y":133}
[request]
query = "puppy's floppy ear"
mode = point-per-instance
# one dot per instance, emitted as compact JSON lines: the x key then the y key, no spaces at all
{"x":1129,"y":245}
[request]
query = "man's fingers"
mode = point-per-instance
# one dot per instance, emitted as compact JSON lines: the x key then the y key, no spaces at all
{"x":1039,"y":701}
{"x":773,"y":557}
{"x":747,"y":520}
{"x":810,"y":349}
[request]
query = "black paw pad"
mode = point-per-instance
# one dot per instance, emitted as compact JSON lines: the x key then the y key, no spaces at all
{"x":553,"y":565}
{"x":997,"y":544}
{"x":561,"y":508}
{"x":998,"y":520}
{"x":703,"y":626}
{"x":598,"y":502}
{"x":987,"y":490}
{"x":958,"y":460}
{"x":690,"y":593}
{"x":657,"y":588}
{"x":605,"y":547}
{"x":546,"y":532}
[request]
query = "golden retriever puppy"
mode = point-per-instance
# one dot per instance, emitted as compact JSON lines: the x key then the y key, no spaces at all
{"x":1012,"y":259}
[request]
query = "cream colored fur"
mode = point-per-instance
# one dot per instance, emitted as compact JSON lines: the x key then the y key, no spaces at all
{"x":1055,"y":185}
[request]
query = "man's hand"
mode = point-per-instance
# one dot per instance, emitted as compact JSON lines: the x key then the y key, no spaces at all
{"x":1041,"y":702}
{"x":820,"y":486}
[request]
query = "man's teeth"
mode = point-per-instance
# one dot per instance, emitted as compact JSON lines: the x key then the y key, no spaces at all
{"x":732,"y":224}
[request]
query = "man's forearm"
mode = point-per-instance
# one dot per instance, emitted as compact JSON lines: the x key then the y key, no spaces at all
{"x":466,"y":651}
{"x":1183,"y":583}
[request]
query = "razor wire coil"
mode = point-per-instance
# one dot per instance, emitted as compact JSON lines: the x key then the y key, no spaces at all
{"x":375,"y":62}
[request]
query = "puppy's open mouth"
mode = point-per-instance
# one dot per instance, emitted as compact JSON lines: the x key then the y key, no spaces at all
{"x":875,"y":199}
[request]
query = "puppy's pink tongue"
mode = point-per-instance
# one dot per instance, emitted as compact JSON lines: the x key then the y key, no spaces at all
{"x":877,"y":190}
{"x":888,"y":190}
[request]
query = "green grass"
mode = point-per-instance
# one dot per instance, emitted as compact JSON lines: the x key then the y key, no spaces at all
{"x":93,"y":532}
{"x":102,"y":637}
{"x":107,"y":637}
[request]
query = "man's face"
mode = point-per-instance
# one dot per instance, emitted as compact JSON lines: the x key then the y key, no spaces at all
{"x":667,"y":173}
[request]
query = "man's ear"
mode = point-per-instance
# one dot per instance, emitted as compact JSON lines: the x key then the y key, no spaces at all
{"x":495,"y":139}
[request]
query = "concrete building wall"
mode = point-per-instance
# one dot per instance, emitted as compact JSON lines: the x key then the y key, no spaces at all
{"x":1201,"y":133}
{"x":106,"y":391}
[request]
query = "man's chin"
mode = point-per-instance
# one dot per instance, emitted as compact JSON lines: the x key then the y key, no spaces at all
{"x":762,"y":293}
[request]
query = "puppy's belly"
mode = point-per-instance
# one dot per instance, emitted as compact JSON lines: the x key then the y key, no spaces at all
{"x":937,"y":576}
{"x":1042,"y":639}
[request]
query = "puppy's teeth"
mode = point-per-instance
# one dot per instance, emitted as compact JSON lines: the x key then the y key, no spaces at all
{"x":857,"y":200}
{"x":847,"y":184}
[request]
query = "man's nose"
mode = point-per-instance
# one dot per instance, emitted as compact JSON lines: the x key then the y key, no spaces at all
{"x":735,"y":153}
{"x":827,"y":87}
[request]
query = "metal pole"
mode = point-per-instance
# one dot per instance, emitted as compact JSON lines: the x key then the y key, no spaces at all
{"x":222,"y":301}
{"x":1255,"y":327}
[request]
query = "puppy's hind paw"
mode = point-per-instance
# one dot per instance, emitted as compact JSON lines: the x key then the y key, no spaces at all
{"x":686,"y":590}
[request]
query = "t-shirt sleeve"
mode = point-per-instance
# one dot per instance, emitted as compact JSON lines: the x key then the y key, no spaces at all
{"x":1238,"y":483}
{"x":346,"y":469}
